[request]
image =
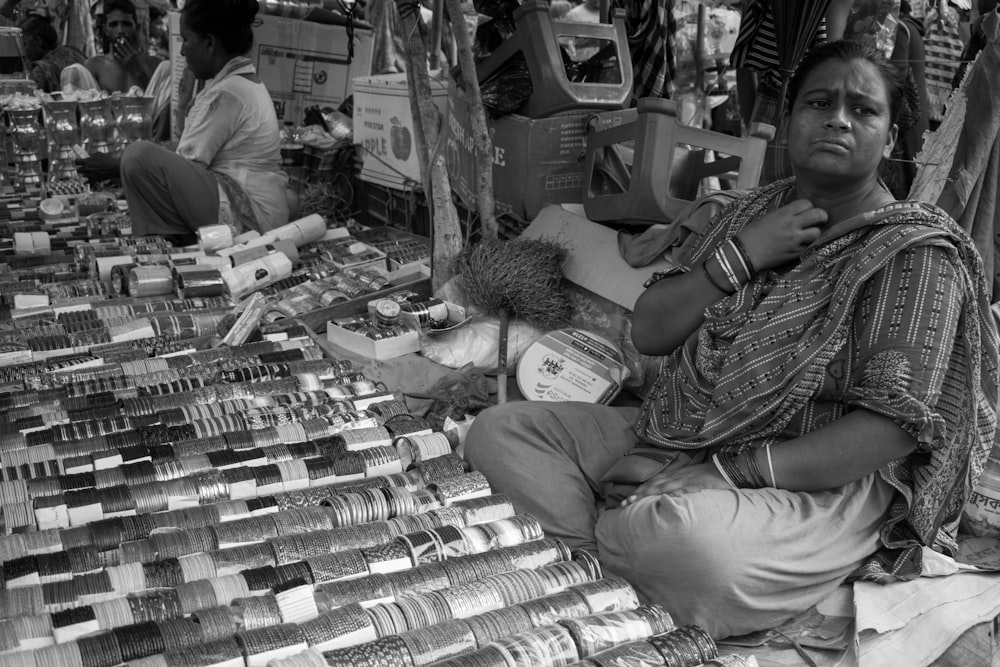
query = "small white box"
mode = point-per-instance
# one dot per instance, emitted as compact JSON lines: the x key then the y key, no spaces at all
{"x":387,"y":348}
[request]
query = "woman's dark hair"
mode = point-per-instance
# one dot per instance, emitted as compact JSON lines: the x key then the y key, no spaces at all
{"x":229,"y":21}
{"x":848,"y":50}
{"x":41,"y":29}
{"x":124,"y":6}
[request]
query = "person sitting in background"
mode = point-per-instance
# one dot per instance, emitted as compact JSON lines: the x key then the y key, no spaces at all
{"x":227,"y":167}
{"x":124,"y":65}
{"x":46,"y":58}
{"x":559,"y":8}
{"x":10,"y":13}
{"x":159,"y":32}
{"x":827,"y":392}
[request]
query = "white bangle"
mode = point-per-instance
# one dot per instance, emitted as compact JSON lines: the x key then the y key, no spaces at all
{"x":718,"y":466}
{"x":770,"y":465}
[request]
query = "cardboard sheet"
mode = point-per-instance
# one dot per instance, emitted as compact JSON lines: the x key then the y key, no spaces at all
{"x":913,"y":623}
{"x":594,"y":262}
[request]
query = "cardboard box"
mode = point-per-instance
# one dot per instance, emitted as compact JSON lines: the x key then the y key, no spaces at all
{"x":387,"y":348}
{"x":390,"y":240}
{"x":303,"y":64}
{"x":536,"y":161}
{"x":306,"y":64}
{"x":383,"y":129}
{"x":379,"y":350}
{"x":350,"y":253}
{"x":415,"y":279}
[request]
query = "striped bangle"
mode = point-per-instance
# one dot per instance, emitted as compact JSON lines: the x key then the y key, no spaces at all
{"x":733,"y":251}
{"x":744,"y":255}
{"x":727,"y":269}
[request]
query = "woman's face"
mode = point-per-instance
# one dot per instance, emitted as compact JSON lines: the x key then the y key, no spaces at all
{"x":840,"y":128}
{"x":33,"y":48}
{"x":196,"y":51}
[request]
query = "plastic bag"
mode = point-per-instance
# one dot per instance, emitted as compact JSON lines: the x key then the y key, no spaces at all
{"x":496,"y":9}
{"x":506,"y":91}
{"x":477,"y":344}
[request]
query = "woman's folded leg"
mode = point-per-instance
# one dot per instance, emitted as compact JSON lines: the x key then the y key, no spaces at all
{"x":738,"y":561}
{"x":167,"y":194}
{"x":548,"y":457}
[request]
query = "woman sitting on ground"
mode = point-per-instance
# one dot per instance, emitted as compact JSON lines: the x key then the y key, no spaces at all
{"x":227,"y":167}
{"x":827,"y":393}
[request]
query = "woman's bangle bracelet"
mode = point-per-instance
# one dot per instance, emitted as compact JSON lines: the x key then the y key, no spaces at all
{"x":711,"y":279}
{"x":728,"y":465}
{"x":722,"y":471}
{"x":727,"y":269}
{"x":770,"y":466}
{"x":736,"y":259}
{"x":742,"y":250}
{"x":757,"y":480}
{"x":728,"y":462}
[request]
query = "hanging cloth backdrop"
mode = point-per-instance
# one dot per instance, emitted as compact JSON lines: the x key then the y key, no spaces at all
{"x":651,"y":29}
{"x":774,"y":35}
{"x":959,"y":168}
{"x":943,"y":48}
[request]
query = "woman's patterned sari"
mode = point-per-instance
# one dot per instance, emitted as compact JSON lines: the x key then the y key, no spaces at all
{"x":758,"y":369}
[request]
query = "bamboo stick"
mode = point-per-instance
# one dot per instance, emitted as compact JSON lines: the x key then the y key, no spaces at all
{"x":446,"y":233}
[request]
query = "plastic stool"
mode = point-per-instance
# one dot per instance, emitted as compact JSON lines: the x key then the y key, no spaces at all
{"x":537,"y":37}
{"x":659,"y":184}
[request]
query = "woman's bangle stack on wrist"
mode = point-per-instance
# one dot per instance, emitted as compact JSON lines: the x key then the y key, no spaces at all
{"x":748,"y":477}
{"x":735,"y":264}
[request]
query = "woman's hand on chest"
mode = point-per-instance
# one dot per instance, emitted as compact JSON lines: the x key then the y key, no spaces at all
{"x":781,"y":235}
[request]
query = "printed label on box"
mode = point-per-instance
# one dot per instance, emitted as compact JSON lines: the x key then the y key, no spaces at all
{"x":571,"y":365}
{"x":383,"y":128}
{"x":536,"y":161}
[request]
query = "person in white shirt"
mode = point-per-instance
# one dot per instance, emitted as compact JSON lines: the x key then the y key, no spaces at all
{"x":227,"y":166}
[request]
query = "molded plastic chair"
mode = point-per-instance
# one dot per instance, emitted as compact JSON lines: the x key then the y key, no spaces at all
{"x":537,"y":37}
{"x":660,"y":183}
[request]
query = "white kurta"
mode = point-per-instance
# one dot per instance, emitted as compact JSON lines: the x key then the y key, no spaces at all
{"x":232,"y":128}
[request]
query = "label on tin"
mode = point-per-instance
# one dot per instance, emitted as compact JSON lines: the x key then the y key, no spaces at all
{"x":295,"y":484}
{"x":571,"y":365}
{"x":81,"y":516}
{"x":384,"y":469}
{"x":390,"y":566}
{"x":362,"y":636}
{"x":31,"y":643}
{"x":182,"y":502}
{"x":243,"y":490}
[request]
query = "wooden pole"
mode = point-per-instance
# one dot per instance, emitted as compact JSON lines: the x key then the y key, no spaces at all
{"x":485,"y":203}
{"x":446,"y":232}
{"x":437,"y":28}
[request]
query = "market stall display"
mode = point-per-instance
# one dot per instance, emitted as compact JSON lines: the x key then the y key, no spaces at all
{"x":168,"y":500}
